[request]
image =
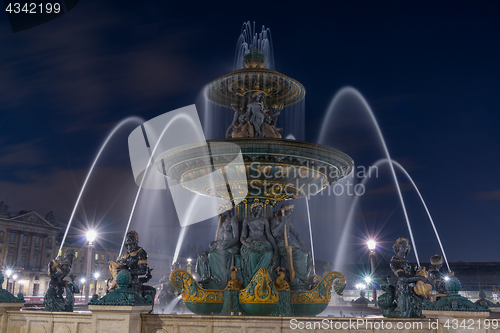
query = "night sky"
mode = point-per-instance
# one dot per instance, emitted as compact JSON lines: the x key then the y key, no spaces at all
{"x":429,"y":72}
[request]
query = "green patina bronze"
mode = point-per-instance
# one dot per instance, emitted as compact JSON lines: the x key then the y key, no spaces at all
{"x":402,"y":301}
{"x":419,"y":290}
{"x":58,"y":269}
{"x":485,"y":303}
{"x":6,"y":297}
{"x":258,"y":263}
{"x":453,"y":301}
{"x":231,"y":303}
{"x":196,"y":299}
{"x":284,"y":307}
{"x":123,"y":295}
{"x":315,"y":301}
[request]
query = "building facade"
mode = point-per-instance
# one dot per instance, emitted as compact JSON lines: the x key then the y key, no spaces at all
{"x":27,"y":245}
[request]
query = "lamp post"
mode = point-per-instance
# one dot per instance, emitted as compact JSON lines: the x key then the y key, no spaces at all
{"x":189,"y":265}
{"x":14,"y":278}
{"x":372,"y":245}
{"x":82,"y":281}
{"x":96,"y":277}
{"x":91,"y":236}
{"x":368,"y":281}
{"x":8,"y":273}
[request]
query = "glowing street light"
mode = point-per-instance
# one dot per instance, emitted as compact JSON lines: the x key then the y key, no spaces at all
{"x":91,"y":237}
{"x":360,"y":286}
{"x":8,"y":273}
{"x":96,"y":277}
{"x":368,"y":280}
{"x":371,"y":244}
{"x":189,"y":265}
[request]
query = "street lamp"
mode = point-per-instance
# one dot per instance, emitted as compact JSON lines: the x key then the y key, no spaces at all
{"x":96,"y":277}
{"x":14,"y":278}
{"x":82,"y":281}
{"x":189,"y":265}
{"x":91,"y":236}
{"x":360,"y":286}
{"x":8,"y":273}
{"x":372,"y":245}
{"x":368,"y":280}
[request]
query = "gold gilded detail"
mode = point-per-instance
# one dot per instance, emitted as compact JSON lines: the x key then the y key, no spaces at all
{"x":280,"y":282}
{"x":186,"y":285}
{"x":235,"y":282}
{"x":322,"y":292}
{"x":260,"y":290}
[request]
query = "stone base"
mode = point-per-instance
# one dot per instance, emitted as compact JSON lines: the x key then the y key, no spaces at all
{"x":48,"y":322}
{"x":4,"y":307}
{"x":459,"y":321}
{"x":117,"y":319}
{"x":255,"y":324}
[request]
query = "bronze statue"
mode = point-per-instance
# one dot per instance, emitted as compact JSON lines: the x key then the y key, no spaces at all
{"x":256,"y":114}
{"x":214,"y":265}
{"x":485,"y":303}
{"x":296,"y":261}
{"x":253,"y":117}
{"x":436,"y":278}
{"x":258,"y":247}
{"x":135,"y":260}
{"x":408,"y":302}
{"x":58,"y":270}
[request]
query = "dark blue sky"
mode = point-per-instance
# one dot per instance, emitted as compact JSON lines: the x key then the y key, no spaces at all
{"x":430,"y":72}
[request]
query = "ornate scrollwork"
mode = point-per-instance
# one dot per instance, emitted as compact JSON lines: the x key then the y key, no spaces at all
{"x":260,"y":289}
{"x":186,"y":285}
{"x":322,"y":293}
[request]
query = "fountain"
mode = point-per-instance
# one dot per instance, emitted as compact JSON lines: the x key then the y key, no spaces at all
{"x":253,"y":266}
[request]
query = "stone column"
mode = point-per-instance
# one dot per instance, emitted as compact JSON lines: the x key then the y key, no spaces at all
{"x":32,"y":250}
{"x":117,"y":319}
{"x":6,"y":246}
{"x":19,"y":248}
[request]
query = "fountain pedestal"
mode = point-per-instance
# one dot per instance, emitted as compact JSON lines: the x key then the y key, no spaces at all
{"x":450,"y":321}
{"x":117,"y":319}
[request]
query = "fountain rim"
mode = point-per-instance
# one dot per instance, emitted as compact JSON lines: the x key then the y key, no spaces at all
{"x":323,"y":148}
{"x":246,"y":71}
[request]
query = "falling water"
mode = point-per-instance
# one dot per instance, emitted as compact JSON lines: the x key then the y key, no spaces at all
{"x":325,"y":128}
{"x":110,"y":135}
{"x":180,"y":240}
{"x":150,"y":160}
{"x":250,"y":39}
{"x":171,"y":306}
{"x":356,"y":199}
{"x":310,"y":235}
{"x":426,"y":209}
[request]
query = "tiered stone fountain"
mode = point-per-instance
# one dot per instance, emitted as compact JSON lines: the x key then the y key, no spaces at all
{"x":253,"y":267}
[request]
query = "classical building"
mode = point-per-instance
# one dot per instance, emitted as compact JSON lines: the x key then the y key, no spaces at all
{"x":27,"y":245}
{"x":99,"y":264}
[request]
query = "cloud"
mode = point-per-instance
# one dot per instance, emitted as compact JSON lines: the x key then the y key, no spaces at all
{"x":22,"y":155}
{"x":108,"y":190}
{"x":73,"y":68}
{"x":488,"y":195}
